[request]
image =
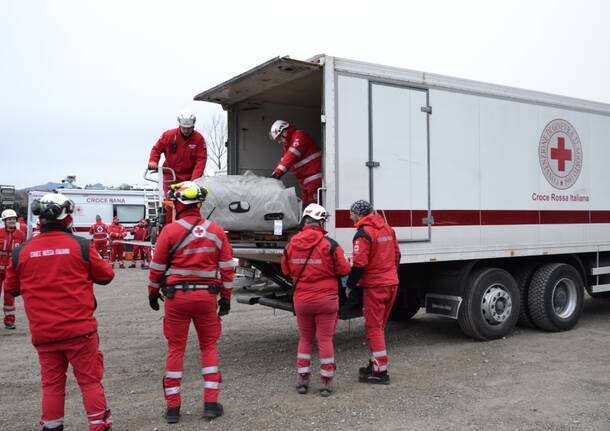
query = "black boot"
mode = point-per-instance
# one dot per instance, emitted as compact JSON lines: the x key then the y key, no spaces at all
{"x":212,"y":410}
{"x":365,"y":371}
{"x":381,"y":378}
{"x":172,"y":415}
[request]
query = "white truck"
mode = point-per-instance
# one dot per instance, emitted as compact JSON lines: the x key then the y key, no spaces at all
{"x":500,"y":197}
{"x":129,"y":205}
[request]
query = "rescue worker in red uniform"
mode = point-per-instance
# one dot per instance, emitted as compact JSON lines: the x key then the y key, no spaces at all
{"x":99,"y":236}
{"x":54,"y":273}
{"x":141,"y":233}
{"x":23,"y":226}
{"x":116,"y":231}
{"x":184,"y":150}
{"x":10,"y":238}
{"x":194,"y":261}
{"x":376,"y":257}
{"x":302,"y":156}
{"x":314,"y":262}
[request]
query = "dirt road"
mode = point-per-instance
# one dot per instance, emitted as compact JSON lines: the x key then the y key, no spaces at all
{"x":440,"y":379}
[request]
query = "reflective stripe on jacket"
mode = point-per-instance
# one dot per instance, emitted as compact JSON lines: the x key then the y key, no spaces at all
{"x":326,"y":263}
{"x":205,"y":256}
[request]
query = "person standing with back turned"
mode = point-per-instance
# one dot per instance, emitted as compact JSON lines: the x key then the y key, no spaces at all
{"x":193,"y":262}
{"x":55,"y":272}
{"x":314,"y":262}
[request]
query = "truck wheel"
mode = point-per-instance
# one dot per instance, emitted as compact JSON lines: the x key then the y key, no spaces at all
{"x":405,"y":306}
{"x":555,"y":297}
{"x":490,"y":304}
{"x":523,"y":276}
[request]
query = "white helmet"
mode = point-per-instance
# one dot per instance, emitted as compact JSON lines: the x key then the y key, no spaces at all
{"x":277,"y":128}
{"x":186,"y":118}
{"x":8,"y":214}
{"x":315,"y":211}
{"x":52,"y":206}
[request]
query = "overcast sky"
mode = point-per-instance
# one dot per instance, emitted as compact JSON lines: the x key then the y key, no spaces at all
{"x":87,"y":87}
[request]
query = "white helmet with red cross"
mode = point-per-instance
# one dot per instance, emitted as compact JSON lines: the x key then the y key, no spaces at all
{"x":277,"y":128}
{"x":316,"y":212}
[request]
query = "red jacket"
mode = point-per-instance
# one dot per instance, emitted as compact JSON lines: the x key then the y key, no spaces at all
{"x":9,"y":240}
{"x":140,"y":233}
{"x":301,"y":156}
{"x":116,"y":231}
{"x":326,"y":264}
{"x":188,"y":160}
{"x":376,"y":250}
{"x":204,"y":257}
{"x":99,"y":231}
{"x":54,"y":273}
{"x":22,"y":225}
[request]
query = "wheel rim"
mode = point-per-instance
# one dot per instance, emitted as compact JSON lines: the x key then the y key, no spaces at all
{"x":496,"y":304}
{"x":564,"y":298}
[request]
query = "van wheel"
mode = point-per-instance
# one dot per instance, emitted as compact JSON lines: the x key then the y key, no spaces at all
{"x":405,"y":306}
{"x":523,"y":276}
{"x":490,"y":304}
{"x":555,"y":297}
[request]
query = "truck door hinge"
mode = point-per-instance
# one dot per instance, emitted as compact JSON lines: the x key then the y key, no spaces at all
{"x":428,"y":220}
{"x":426,"y":109}
{"x":323,"y":119}
{"x":372,"y":164}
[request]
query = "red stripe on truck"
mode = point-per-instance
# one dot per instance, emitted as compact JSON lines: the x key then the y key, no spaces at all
{"x":415,"y":218}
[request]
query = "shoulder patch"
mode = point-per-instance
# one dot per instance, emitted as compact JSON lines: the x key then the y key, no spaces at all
{"x":16,"y":252}
{"x":333,"y":245}
{"x":84,"y":245}
{"x":361,"y":233}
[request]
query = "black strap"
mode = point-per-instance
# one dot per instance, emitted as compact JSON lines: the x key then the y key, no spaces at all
{"x":304,"y":265}
{"x":174,"y":249}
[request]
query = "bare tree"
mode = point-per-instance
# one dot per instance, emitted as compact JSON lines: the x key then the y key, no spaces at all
{"x":215,"y":133}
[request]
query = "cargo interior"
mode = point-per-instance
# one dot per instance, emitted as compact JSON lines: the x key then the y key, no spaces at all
{"x":283,"y":89}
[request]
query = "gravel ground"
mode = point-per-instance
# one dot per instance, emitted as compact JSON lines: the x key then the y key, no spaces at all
{"x":440,"y":379}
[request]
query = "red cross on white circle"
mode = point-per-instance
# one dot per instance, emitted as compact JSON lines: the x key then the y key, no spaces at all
{"x":199,"y":231}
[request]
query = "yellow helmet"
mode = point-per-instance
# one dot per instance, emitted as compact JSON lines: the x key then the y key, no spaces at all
{"x":188,"y":192}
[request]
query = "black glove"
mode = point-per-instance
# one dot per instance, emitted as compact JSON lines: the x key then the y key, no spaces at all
{"x":274,"y":175}
{"x":354,"y":276}
{"x":224,"y":306}
{"x":153,"y":301}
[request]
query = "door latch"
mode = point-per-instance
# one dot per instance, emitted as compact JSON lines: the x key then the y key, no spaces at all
{"x":426,"y":109}
{"x":372,"y":164}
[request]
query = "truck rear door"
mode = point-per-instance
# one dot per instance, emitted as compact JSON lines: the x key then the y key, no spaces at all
{"x":398,"y":158}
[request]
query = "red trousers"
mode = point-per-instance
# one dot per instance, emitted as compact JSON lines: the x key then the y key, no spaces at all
{"x":140,"y":252}
{"x":116,"y":252}
{"x":199,"y":307}
{"x":317,"y":319}
{"x":9,"y":303}
{"x":377,"y":304}
{"x":88,"y":367}
{"x":310,"y":192}
{"x":100,"y":246}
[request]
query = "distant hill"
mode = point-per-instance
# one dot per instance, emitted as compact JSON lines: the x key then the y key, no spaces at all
{"x":47,"y":186}
{"x":52,"y":186}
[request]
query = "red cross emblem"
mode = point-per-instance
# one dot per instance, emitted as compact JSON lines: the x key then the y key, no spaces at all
{"x":100,"y":229}
{"x":561,"y":154}
{"x":199,"y":231}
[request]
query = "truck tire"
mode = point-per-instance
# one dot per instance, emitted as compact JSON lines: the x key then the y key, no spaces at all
{"x":490,"y":304}
{"x":523,"y":276}
{"x":405,"y":306}
{"x":555,"y":297}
